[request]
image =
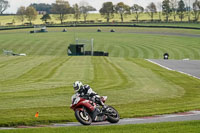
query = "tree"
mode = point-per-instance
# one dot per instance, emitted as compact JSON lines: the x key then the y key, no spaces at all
{"x":85,"y":8}
{"x":13,"y":21}
{"x":4,"y":4}
{"x":137,"y":9}
{"x":151,"y":10}
{"x":42,"y":7}
{"x":181,"y":9}
{"x":31,"y":14}
{"x":122,"y":9}
{"x":61,"y":7}
{"x":45,"y":18}
{"x":196,"y":9}
{"x":76,"y":12}
{"x":166,"y":9}
{"x":173,"y":5}
{"x":107,"y":10}
{"x":21,"y":13}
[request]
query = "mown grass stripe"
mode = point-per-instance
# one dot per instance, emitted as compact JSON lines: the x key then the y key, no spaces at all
{"x":54,"y":69}
{"x":25,"y":77}
{"x":188,"y":51}
{"x":60,"y":49}
{"x":136,"y":50}
{"x":110,"y":72}
{"x":42,"y":70}
{"x":123,"y":81}
{"x":36,"y":47}
{"x":154,"y":52}
{"x":6,"y":45}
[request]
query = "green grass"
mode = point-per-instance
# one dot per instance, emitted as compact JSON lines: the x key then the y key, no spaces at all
{"x":138,"y":43}
{"x":42,"y":81}
{"x":178,"y":127}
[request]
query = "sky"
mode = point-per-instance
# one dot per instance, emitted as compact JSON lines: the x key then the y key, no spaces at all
{"x":15,"y":4}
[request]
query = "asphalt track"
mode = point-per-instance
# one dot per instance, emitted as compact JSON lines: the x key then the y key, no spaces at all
{"x":186,"y":66}
{"x":168,"y":34}
{"x":135,"y":32}
{"x":186,"y":116}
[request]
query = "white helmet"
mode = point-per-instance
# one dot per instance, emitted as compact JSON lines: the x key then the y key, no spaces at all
{"x":77,"y":85}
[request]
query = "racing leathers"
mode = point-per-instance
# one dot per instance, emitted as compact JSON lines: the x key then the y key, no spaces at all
{"x":87,"y":93}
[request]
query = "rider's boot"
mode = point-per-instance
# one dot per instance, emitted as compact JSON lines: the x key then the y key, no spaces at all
{"x":104,"y":108}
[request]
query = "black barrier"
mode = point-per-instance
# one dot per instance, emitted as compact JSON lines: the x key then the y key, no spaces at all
{"x":102,"y":25}
{"x":98,"y":53}
{"x":106,"y":54}
{"x":88,"y":53}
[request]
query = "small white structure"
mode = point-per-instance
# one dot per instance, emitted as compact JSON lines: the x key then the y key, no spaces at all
{"x":10,"y":52}
{"x":22,"y":54}
{"x":186,"y":59}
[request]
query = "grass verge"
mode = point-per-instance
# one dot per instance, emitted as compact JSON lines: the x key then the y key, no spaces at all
{"x":178,"y":127}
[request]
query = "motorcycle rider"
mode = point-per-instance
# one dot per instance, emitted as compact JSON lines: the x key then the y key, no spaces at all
{"x":85,"y":91}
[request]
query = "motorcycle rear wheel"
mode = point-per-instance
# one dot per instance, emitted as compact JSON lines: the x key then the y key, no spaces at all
{"x":83,"y":117}
{"x":113,"y":115}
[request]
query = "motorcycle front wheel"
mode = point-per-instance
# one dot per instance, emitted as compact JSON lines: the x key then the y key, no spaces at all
{"x":112,"y":114}
{"x":83,"y":117}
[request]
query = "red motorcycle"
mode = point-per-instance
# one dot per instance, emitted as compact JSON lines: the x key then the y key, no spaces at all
{"x":87,"y":111}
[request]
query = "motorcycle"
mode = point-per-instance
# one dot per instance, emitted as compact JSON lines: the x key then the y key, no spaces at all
{"x":87,"y":111}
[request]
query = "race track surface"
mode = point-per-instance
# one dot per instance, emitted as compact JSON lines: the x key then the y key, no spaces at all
{"x":185,"y":116}
{"x":168,"y":34}
{"x":189,"y":67}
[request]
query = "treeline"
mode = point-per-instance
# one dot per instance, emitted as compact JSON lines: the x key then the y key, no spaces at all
{"x":166,"y":9}
{"x":61,"y":7}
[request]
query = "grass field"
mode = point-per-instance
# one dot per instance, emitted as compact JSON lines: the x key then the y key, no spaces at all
{"x":178,"y":127}
{"x":42,"y":81}
{"x":135,"y":44}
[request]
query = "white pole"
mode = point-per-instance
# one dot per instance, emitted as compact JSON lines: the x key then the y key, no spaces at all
{"x":34,"y":29}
